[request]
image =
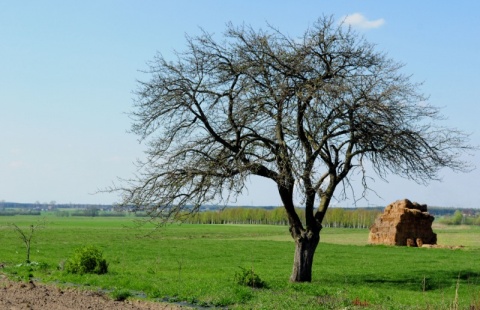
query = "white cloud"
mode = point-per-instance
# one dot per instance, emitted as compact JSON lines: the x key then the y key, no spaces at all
{"x":16,"y":164}
{"x":357,"y":20}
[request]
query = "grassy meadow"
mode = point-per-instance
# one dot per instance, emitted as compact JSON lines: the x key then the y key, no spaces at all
{"x":197,"y":264}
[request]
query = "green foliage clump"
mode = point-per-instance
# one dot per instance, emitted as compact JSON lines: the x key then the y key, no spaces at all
{"x":88,"y":259}
{"x":248,"y":277}
{"x":121,"y":294}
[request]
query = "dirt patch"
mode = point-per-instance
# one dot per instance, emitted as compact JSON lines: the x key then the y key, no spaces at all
{"x":38,"y":296}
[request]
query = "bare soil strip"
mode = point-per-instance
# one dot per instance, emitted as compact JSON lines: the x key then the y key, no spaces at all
{"x":38,"y":296}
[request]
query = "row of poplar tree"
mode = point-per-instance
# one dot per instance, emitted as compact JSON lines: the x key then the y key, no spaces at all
{"x":335,"y":217}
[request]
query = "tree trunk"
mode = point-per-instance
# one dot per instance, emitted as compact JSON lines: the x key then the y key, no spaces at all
{"x":305,"y":246}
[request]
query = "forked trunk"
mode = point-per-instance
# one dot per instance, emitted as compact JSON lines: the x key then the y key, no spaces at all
{"x":305,"y":246}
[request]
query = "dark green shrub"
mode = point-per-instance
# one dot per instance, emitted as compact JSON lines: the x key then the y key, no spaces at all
{"x":248,"y":277}
{"x":88,"y":259}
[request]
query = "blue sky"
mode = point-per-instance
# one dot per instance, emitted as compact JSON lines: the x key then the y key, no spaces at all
{"x":68,"y":69}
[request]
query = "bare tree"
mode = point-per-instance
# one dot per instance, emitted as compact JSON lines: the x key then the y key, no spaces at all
{"x":301,"y":112}
{"x":26,"y":235}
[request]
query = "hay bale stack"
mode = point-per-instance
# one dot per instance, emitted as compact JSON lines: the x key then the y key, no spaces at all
{"x":403,"y":223}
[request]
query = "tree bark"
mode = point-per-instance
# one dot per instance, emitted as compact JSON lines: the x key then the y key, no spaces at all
{"x":305,"y":246}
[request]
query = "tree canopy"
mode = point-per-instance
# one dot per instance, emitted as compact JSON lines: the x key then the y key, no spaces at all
{"x":303,"y":112}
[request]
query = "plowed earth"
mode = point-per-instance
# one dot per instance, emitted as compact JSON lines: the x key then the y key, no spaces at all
{"x":37,"y":296}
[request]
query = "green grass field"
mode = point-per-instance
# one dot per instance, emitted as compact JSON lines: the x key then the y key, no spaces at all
{"x":197,"y":264}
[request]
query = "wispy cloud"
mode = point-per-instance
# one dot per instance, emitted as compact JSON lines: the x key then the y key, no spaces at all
{"x":358,"y":20}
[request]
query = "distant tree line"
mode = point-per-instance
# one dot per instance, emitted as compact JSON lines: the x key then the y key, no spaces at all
{"x":90,"y":212}
{"x":460,"y":217}
{"x":212,"y":214}
{"x":51,"y":204}
{"x":448,"y":211}
{"x":12,"y":212}
{"x":337,"y":217}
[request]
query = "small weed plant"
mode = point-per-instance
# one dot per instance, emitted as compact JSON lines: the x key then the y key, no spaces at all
{"x":248,"y":277}
{"x":26,"y":235}
{"x":88,"y":259}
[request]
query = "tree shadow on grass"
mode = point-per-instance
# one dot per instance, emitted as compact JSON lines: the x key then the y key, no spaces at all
{"x":424,"y":280}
